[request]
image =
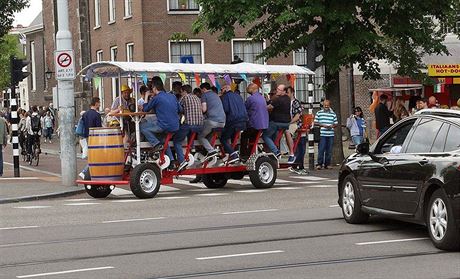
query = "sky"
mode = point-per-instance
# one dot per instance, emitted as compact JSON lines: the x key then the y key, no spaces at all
{"x":26,"y":16}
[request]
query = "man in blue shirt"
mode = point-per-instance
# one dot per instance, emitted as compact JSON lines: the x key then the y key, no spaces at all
{"x":327,"y":120}
{"x":167,"y":110}
{"x":236,"y":118}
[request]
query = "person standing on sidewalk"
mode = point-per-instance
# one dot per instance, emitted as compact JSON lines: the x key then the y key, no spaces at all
{"x":327,"y":120}
{"x":382,"y":115}
{"x":3,"y":141}
{"x":91,"y":119}
{"x":48,"y":124}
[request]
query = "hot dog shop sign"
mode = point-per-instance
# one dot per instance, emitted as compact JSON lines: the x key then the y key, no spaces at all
{"x":443,"y":70}
{"x":65,"y":64}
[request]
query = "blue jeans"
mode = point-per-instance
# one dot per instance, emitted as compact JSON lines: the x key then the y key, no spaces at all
{"x":229,"y":133}
{"x":325,"y":151}
{"x":149,"y":129}
{"x":1,"y":159}
{"x":269,"y":135}
{"x":300,"y":152}
{"x":357,"y":139}
{"x":179,"y":137}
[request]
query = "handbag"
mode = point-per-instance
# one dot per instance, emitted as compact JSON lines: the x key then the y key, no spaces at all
{"x":80,"y":130}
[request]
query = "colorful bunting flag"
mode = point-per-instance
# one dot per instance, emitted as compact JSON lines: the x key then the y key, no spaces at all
{"x":218,"y":86}
{"x":197,"y":79}
{"x":233,"y":86}
{"x":228,"y":79}
{"x":293,"y":78}
{"x":163,"y":77}
{"x":212,"y":78}
{"x":145,"y":79}
{"x":243,"y":76}
{"x":257,"y":81}
{"x":275,"y":76}
{"x":183,"y":78}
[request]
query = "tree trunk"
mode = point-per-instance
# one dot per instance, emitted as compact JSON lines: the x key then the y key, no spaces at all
{"x":333,"y":95}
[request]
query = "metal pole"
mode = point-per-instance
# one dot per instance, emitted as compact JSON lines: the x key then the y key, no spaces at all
{"x":66,"y":102}
{"x":311,"y":138}
{"x":14,"y":133}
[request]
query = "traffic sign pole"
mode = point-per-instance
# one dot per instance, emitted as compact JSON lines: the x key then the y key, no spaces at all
{"x":66,"y":98}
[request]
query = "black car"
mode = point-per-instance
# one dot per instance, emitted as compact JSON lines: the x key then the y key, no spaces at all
{"x":411,"y":173}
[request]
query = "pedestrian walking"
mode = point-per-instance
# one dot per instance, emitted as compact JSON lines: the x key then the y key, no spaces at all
{"x":357,"y":125}
{"x":90,"y":119}
{"x":80,"y":132}
{"x":327,"y":120}
{"x":382,"y":115}
{"x":3,"y":141}
{"x":48,"y":124}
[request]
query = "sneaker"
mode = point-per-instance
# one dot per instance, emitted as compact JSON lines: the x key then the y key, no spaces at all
{"x":210,"y":155}
{"x":327,"y":167}
{"x":303,"y":172}
{"x":157,"y":148}
{"x":291,"y":159}
{"x":293,"y":170}
{"x":278,"y":155}
{"x":182,"y":166}
{"x":318,"y":167}
{"x":234,"y":158}
{"x":81,"y":175}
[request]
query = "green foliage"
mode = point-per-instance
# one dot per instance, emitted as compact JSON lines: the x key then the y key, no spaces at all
{"x":352,"y":31}
{"x":178,"y":37}
{"x":9,"y":46}
{"x":7,"y":10}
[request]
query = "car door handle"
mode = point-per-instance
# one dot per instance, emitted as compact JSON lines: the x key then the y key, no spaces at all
{"x":423,"y":162}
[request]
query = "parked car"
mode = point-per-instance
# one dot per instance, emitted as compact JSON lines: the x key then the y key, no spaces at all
{"x":411,"y":173}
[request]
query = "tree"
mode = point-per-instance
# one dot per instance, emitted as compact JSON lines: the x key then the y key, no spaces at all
{"x":9,"y":46}
{"x":352,"y":31}
{"x":7,"y":10}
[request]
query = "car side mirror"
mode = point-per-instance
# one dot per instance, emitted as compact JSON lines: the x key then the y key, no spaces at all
{"x":363,"y":148}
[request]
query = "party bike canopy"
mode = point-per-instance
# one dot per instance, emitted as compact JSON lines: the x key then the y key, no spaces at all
{"x":131,"y":69}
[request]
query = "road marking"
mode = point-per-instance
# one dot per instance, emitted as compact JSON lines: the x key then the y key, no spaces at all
{"x":391,"y":241}
{"x":288,"y":188}
{"x":313,"y":178}
{"x":171,"y":198}
{"x":19,"y":178}
{"x":251,"y":191}
{"x":120,"y":192}
{"x":35,"y":170}
{"x":65,"y":272}
{"x":133,"y":220}
{"x":20,"y":244}
{"x":82,"y":203}
{"x":333,"y":180}
{"x":240,"y":255}
{"x":23,"y":227}
{"x":322,"y":186}
{"x":249,"y":211}
{"x":165,"y":188}
{"x":334,"y":205}
{"x":239,"y":182}
{"x":77,"y":200}
{"x":33,"y":206}
{"x":122,"y":201}
{"x":211,"y":194}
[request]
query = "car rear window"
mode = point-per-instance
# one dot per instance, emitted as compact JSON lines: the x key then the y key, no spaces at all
{"x":453,"y":139}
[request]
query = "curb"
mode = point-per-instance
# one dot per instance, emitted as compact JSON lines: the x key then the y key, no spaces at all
{"x":43,"y":196}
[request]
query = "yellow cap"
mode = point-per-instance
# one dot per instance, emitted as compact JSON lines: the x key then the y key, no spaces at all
{"x":125,"y":87}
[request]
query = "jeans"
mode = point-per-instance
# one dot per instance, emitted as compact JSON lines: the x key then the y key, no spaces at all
{"x":179,"y":137}
{"x":300,"y":152}
{"x":325,"y":151}
{"x":357,"y":139}
{"x":149,"y":128}
{"x":207,"y":129}
{"x":229,"y":133}
{"x":270,"y":134}
{"x":1,"y":159}
{"x":49,"y":133}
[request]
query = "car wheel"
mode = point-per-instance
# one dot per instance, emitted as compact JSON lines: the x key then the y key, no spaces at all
{"x":145,"y":180}
{"x":351,"y":205}
{"x":442,"y":228}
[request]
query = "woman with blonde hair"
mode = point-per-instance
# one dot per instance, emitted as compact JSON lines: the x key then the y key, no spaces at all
{"x":399,"y":111}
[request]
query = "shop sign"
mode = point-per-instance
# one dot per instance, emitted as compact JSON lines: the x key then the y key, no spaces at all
{"x":446,"y":70}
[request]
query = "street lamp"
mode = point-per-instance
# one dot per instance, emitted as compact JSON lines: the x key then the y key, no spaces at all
{"x":49,"y":73}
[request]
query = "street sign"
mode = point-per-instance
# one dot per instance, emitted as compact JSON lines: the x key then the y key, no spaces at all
{"x":65,"y":64}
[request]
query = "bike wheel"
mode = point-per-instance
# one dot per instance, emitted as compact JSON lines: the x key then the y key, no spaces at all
{"x":35,"y":157}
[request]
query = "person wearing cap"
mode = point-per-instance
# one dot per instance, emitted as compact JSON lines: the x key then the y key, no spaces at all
{"x":123,"y":101}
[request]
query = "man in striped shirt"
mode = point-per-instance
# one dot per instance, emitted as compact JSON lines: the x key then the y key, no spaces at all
{"x":327,"y":120}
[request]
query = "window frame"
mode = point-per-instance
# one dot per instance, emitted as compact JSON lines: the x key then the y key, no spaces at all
{"x":112,"y":11}
{"x":128,"y":9}
{"x":201,"y":41}
{"x":128,"y":56}
{"x":181,"y":11}
{"x":100,"y":90}
{"x":114,"y":80}
{"x":414,"y":129}
{"x":33,"y":70}
{"x":97,"y":14}
{"x":264,"y":45}
{"x":378,"y":148}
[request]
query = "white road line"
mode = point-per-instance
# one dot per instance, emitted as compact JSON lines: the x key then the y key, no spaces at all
{"x":333,"y":180}
{"x":249,"y":211}
{"x":313,"y":178}
{"x":19,"y":244}
{"x":288,"y":188}
{"x":35,"y":170}
{"x":132,"y":220}
{"x":239,"y":182}
{"x":18,"y":178}
{"x":186,"y":182}
{"x":322,"y":186}
{"x":251,"y":191}
{"x":391,"y":241}
{"x":33,"y":207}
{"x":334,"y":205}
{"x":240,"y":255}
{"x":126,"y":201}
{"x":165,"y":188}
{"x":120,"y":192}
{"x":82,"y":203}
{"x":65,"y":272}
{"x":211,"y":194}
{"x":78,"y":200}
{"x":171,"y":198}
{"x":23,"y":227}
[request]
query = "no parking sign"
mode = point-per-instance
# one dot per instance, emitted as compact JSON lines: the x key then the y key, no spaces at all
{"x":65,"y":65}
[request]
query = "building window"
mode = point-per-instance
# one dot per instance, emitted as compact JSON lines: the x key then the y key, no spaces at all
{"x":100,"y":87}
{"x":129,"y":52}
{"x":97,"y":13}
{"x":301,"y":82}
{"x":248,"y":50}
{"x":32,"y":66}
{"x":128,"y":8}
{"x":183,"y":5}
{"x":111,"y":11}
{"x":187,"y":52}
{"x":115,"y":84}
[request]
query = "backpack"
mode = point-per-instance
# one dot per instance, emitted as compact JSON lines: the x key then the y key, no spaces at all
{"x":35,"y":123}
{"x":80,"y":129}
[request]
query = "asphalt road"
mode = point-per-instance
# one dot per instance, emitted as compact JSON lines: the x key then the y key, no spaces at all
{"x":294,"y":230}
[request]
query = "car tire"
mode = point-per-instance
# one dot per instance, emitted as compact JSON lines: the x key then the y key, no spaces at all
{"x":214,"y":181}
{"x":145,"y":180}
{"x":98,"y":192}
{"x":264,"y":175}
{"x":350,"y":202}
{"x":443,"y":230}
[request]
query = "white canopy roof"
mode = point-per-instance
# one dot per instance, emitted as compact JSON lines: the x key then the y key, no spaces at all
{"x":126,"y":69}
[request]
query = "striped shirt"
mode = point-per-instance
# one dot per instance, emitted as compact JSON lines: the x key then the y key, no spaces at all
{"x":326,"y":118}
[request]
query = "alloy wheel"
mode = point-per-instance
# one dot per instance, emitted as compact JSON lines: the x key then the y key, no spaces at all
{"x":348,"y":199}
{"x":438,"y":219}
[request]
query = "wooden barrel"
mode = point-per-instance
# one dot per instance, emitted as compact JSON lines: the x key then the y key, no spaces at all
{"x":106,"y":157}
